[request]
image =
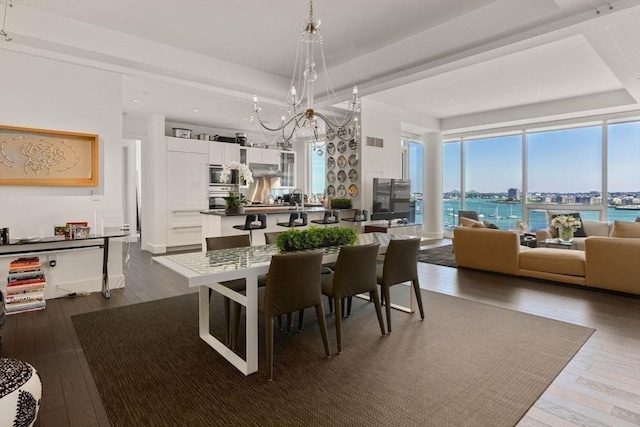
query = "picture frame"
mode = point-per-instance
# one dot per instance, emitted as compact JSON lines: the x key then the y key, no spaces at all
{"x":42,"y":157}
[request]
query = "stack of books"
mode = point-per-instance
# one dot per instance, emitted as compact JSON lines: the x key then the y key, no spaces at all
{"x":25,"y":286}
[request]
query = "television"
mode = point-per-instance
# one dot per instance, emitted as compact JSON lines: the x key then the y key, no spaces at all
{"x":391,"y":199}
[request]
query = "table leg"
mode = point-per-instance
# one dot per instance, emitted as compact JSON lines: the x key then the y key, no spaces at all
{"x":106,"y":292}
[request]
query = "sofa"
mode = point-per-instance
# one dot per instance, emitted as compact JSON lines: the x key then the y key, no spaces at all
{"x":591,"y":228}
{"x":610,"y":263}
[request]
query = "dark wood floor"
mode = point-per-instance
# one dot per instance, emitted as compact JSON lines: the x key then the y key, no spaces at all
{"x":599,"y":387}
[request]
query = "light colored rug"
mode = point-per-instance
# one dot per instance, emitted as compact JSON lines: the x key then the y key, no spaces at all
{"x":466,"y":364}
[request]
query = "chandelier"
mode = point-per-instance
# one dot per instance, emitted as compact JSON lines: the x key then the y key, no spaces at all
{"x":301,"y":122}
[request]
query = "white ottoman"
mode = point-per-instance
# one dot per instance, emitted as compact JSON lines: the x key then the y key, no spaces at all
{"x":20,"y":393}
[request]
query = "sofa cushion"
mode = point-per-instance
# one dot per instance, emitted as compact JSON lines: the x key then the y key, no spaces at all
{"x":554,"y":231}
{"x":625,"y":229}
{"x":468,"y":222}
{"x":596,"y":228}
{"x":550,"y":260}
{"x":490,"y":225}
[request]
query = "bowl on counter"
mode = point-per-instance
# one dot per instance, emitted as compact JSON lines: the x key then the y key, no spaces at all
{"x":181,"y":132}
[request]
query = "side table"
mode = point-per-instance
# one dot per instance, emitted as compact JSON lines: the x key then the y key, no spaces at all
{"x":557,"y":243}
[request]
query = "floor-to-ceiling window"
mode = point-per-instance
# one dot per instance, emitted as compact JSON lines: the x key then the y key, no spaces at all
{"x":623,"y":171}
{"x":451,"y":182}
{"x":317,"y":160}
{"x":416,"y":175}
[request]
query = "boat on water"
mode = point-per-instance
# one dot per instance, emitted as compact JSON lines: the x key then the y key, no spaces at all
{"x":511,"y":215}
{"x":495,"y":214}
{"x":627,"y":208}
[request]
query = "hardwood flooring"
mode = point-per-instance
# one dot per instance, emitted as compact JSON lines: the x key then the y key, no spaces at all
{"x":599,"y":387}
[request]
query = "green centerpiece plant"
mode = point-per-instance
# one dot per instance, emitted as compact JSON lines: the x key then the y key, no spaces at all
{"x":315,"y":237}
{"x":341,"y":203}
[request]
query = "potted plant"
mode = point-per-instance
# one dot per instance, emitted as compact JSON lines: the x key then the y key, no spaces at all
{"x":341,"y":203}
{"x":235,"y":203}
{"x":315,"y":237}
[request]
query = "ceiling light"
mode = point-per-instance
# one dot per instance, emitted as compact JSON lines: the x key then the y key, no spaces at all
{"x":3,"y":33}
{"x":136,"y":101}
{"x":195,"y":110}
{"x":301,"y":121}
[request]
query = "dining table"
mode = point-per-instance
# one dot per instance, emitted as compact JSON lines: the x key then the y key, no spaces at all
{"x":205,"y":270}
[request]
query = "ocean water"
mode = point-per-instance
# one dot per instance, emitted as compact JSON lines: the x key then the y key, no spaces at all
{"x":505,"y":215}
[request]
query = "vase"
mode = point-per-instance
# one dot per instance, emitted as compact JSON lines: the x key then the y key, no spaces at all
{"x":234,"y":210}
{"x":565,"y":234}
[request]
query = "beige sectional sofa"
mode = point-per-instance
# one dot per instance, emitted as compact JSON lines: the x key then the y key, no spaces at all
{"x":591,"y":228}
{"x":611,"y":263}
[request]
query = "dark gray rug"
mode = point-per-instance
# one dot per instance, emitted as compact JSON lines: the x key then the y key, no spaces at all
{"x":467,"y":363}
{"x":441,"y":255}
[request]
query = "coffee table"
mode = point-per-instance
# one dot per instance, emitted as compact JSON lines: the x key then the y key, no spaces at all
{"x":557,"y":243}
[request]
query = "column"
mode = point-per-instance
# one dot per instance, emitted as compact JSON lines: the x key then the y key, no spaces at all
{"x":432,"y":185}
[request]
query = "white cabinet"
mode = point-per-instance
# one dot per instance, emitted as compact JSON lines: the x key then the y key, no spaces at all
{"x":262,"y":155}
{"x":288,"y":167}
{"x":222,"y":153}
{"x":187,"y":190}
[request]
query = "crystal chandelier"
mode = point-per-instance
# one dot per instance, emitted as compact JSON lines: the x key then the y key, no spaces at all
{"x":301,"y":122}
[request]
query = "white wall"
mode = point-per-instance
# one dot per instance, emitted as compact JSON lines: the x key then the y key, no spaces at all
{"x":379,"y":121}
{"x":48,"y":94}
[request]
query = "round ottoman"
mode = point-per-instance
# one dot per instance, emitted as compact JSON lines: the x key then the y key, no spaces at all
{"x":20,"y":393}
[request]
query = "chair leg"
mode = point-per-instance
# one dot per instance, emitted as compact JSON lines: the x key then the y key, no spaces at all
{"x":349,"y":300}
{"x":227,"y":321}
{"x":330,"y":304}
{"x":323,"y":328}
{"x":386,"y":295}
{"x":268,"y":338}
{"x":280,"y":322}
{"x":237,"y":311}
{"x":343,"y":308}
{"x":376,"y":302}
{"x":300,"y":319}
{"x":339,"y":304}
{"x":416,"y":288}
{"x":289,"y":323}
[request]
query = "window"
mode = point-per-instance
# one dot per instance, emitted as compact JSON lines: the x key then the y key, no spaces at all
{"x":623,"y":171}
{"x":416,"y":175}
{"x":318,"y":173}
{"x":451,"y":170}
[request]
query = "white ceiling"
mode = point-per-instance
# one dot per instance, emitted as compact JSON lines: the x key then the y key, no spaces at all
{"x":458,"y":61}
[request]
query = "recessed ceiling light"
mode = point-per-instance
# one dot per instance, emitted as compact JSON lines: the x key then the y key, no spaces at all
{"x":195,"y":110}
{"x":136,"y":101}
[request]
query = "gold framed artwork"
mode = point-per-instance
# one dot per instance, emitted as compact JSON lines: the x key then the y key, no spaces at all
{"x":30,"y":156}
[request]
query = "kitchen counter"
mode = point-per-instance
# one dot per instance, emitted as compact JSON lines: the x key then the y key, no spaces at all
{"x":216,"y":222}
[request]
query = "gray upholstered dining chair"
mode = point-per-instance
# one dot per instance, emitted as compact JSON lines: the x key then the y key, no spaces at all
{"x":238,"y":285}
{"x":467,"y":214}
{"x":355,"y":273}
{"x":293,"y":284}
{"x":400,"y":266}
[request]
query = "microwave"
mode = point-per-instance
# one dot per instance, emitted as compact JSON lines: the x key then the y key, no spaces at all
{"x":215,"y":172}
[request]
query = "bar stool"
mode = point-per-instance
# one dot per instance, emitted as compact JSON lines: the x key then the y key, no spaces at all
{"x":330,"y":217}
{"x":253,"y":222}
{"x":296,"y":219}
{"x":360,"y":215}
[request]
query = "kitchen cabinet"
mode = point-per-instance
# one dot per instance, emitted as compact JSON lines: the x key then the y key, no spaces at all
{"x":187,"y":190}
{"x":288,"y":167}
{"x":223,"y":153}
{"x":262,"y":155}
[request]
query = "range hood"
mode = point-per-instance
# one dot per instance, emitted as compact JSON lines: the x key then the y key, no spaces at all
{"x":267,"y":170}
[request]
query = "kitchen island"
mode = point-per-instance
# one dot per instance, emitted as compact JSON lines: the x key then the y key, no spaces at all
{"x":216,"y":222}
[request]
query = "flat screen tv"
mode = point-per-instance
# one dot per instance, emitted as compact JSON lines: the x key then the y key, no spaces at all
{"x":391,"y":199}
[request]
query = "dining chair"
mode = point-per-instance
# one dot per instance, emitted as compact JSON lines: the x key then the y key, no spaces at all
{"x":271,"y":236}
{"x":355,"y":273}
{"x":400,"y":265}
{"x":238,"y":285}
{"x":293,"y":284}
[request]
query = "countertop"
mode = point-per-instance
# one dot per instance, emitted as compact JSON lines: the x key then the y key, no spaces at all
{"x":272,"y":209}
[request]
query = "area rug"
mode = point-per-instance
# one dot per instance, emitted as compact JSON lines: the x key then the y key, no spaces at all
{"x":441,"y":255}
{"x":466,"y":364}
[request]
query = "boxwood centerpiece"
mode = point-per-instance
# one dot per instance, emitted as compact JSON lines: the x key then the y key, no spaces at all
{"x":341,"y":203}
{"x":315,"y":237}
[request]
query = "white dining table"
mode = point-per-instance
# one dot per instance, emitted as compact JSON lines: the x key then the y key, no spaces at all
{"x":205,"y":270}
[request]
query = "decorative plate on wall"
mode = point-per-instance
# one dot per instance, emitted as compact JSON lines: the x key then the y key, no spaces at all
{"x":353,"y":145}
{"x":331,"y":176}
{"x":353,"y":175}
{"x":353,"y":190}
{"x":331,"y":191}
{"x":342,"y":176}
{"x":342,"y":146}
{"x":331,"y":134}
{"x":331,"y":163}
{"x":331,"y":148}
{"x":342,"y":191}
{"x":353,"y":160}
{"x":342,"y":161}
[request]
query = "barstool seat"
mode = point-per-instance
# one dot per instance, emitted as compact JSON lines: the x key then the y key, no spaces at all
{"x":296,"y":219}
{"x":330,"y":217}
{"x":359,"y":215}
{"x":253,"y":222}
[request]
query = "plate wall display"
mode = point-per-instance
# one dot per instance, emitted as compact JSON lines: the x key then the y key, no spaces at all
{"x":342,"y":161}
{"x":353,"y":175}
{"x":342,"y":176}
{"x":353,"y":190}
{"x":331,"y":163}
{"x":353,"y":145}
{"x":342,"y":146}
{"x":331,"y":148}
{"x":331,"y":134}
{"x":331,"y":176}
{"x":353,"y":160}
{"x":331,"y":191}
{"x":342,"y":191}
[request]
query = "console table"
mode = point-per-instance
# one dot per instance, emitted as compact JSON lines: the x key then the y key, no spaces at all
{"x":60,"y":243}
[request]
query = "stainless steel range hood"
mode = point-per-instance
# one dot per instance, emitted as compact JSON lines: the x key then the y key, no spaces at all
{"x":265,"y":170}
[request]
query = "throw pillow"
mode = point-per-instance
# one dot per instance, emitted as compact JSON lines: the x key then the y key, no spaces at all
{"x":638,"y":219}
{"x":625,"y":229}
{"x":467,"y":222}
{"x":490,"y":225}
{"x":554,"y":231}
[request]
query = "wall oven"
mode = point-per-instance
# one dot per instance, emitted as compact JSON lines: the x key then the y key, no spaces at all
{"x":217,"y":195}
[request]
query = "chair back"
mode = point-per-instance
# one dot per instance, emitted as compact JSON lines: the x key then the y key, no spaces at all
{"x":297,"y":219}
{"x":334,"y":218}
{"x":401,"y":261}
{"x":467,"y":214}
{"x":355,"y":270}
{"x":227,"y":242}
{"x":293,"y":283}
{"x":271,"y":236}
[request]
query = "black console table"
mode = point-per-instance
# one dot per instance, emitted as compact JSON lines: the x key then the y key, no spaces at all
{"x":60,"y":243}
